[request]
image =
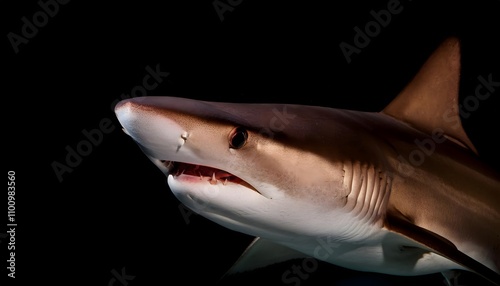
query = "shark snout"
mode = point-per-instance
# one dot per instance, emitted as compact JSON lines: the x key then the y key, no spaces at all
{"x":159,"y":136}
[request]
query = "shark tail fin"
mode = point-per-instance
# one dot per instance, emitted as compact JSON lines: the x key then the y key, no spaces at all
{"x":430,"y":101}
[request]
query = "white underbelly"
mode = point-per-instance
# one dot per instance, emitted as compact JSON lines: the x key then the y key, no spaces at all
{"x":386,"y":252}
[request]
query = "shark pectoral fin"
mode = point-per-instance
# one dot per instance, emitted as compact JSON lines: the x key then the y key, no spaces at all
{"x":450,"y":275}
{"x":431,"y":241}
{"x":260,"y":253}
{"x":430,"y":101}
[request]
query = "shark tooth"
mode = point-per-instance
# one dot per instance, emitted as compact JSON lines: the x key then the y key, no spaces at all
{"x":213,"y":180}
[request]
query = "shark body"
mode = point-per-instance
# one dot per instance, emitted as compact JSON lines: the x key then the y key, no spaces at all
{"x":401,"y":191}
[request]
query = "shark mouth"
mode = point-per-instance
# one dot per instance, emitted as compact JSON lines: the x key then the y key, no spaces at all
{"x":212,"y":175}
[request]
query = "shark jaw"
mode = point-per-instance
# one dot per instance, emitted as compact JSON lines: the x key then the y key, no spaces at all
{"x":192,"y":173}
{"x":209,"y":191}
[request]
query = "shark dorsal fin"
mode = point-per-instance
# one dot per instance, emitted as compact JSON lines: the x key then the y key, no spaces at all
{"x":430,"y":101}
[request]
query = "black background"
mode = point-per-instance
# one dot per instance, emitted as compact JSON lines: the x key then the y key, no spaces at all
{"x":114,"y":210}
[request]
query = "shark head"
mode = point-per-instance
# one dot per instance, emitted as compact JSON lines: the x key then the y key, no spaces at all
{"x":253,"y":168}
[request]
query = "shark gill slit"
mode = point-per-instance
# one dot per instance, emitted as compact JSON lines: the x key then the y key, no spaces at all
{"x":368,"y":190}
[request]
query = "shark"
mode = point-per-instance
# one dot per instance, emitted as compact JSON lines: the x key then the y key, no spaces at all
{"x":402,"y":191}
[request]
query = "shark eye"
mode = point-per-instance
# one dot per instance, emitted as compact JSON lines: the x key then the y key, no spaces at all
{"x":238,"y":137}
